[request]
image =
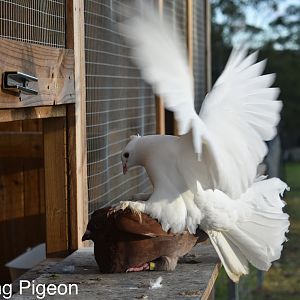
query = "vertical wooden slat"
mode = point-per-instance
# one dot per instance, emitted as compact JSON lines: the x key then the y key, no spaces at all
{"x":72,"y":178}
{"x":69,"y":25}
{"x":80,"y":92}
{"x":208,"y":45}
{"x":189,"y":18}
{"x":160,"y":110}
{"x":55,"y":186}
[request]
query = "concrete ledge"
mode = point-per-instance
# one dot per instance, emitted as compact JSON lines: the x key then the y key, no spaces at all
{"x":193,"y":278}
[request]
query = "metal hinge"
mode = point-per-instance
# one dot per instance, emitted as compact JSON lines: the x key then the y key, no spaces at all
{"x":18,"y":82}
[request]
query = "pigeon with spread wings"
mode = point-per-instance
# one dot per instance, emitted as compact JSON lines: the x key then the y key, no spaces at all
{"x":207,"y":176}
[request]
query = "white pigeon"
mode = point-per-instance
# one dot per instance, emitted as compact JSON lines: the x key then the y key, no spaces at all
{"x":207,"y":176}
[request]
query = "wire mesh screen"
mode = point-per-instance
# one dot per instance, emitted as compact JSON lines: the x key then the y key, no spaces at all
{"x":199,"y":46}
{"x":33,"y":21}
{"x":176,"y":11}
{"x":119,"y":104}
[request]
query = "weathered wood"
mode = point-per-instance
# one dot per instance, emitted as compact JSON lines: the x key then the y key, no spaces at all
{"x":21,"y":145}
{"x":55,"y":186}
{"x":193,"y":278}
{"x":54,"y":68}
{"x":29,"y":113}
{"x":80,"y":92}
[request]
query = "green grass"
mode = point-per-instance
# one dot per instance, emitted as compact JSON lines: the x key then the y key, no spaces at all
{"x":282,"y":281}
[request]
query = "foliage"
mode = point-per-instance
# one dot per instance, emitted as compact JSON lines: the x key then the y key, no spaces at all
{"x":279,"y":39}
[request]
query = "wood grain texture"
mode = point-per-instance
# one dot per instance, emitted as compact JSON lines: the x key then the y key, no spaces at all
{"x":29,"y":113}
{"x":190,"y":280}
{"x":54,"y":68}
{"x":55,"y":186}
{"x":21,"y":145}
{"x":80,"y":112}
{"x":22,"y":222}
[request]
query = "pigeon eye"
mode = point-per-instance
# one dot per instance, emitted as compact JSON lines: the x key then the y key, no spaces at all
{"x":126,"y":154}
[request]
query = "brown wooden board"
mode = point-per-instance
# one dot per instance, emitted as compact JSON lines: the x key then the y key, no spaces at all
{"x":193,"y":278}
{"x":54,"y":68}
{"x":55,"y":186}
{"x":29,"y":113}
{"x":21,"y":190}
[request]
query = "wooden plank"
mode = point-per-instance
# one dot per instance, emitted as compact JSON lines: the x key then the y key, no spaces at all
{"x":190,"y":280}
{"x":160,"y":115}
{"x":80,"y":93}
{"x":21,"y":145}
{"x":72,"y":178}
{"x":29,"y":113}
{"x":54,"y":68}
{"x":32,"y":175}
{"x":208,"y":45}
{"x":12,"y":207}
{"x":55,"y":186}
{"x":69,"y":25}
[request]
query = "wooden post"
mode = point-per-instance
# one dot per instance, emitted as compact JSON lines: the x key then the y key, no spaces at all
{"x":80,"y":121}
{"x":72,"y":178}
{"x":55,"y":186}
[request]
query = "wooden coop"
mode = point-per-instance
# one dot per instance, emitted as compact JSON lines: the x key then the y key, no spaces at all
{"x":70,"y":98}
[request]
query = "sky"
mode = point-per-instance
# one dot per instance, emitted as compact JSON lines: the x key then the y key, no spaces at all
{"x":260,"y":19}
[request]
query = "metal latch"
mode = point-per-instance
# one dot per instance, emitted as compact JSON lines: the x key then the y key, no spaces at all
{"x":18,"y":82}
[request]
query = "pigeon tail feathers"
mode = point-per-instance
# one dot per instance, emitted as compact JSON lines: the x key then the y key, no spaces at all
{"x":250,"y":229}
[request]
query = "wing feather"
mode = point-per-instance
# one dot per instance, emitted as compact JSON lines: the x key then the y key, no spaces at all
{"x":237,"y":116}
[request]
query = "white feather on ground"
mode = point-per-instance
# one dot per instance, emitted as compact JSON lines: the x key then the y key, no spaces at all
{"x":220,"y":192}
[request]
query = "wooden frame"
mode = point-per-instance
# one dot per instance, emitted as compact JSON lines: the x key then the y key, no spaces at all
{"x":64,"y":126}
{"x":79,"y":210}
{"x":54,"y":68}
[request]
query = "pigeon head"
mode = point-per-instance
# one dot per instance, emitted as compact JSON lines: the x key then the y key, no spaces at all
{"x":96,"y":225}
{"x":128,"y":155}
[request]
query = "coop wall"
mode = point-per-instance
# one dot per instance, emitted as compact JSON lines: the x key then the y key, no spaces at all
{"x":118,"y":102}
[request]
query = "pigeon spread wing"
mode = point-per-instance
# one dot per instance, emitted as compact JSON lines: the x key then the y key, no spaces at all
{"x":240,"y":114}
{"x":237,"y":116}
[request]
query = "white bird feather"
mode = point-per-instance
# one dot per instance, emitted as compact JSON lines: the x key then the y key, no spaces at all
{"x":220,"y":192}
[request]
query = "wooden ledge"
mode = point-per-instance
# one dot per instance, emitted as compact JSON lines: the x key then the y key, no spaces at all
{"x":193,"y":278}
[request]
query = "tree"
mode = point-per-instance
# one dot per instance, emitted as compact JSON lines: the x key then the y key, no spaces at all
{"x":278,"y":35}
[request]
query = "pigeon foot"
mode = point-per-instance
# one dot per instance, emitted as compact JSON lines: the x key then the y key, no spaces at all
{"x":139,"y":268}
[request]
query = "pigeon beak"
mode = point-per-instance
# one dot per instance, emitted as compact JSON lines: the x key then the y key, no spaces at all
{"x":87,"y":236}
{"x":125,"y":168}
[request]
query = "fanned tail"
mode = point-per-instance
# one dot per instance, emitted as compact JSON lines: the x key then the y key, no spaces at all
{"x":232,"y":258}
{"x":252,"y":228}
